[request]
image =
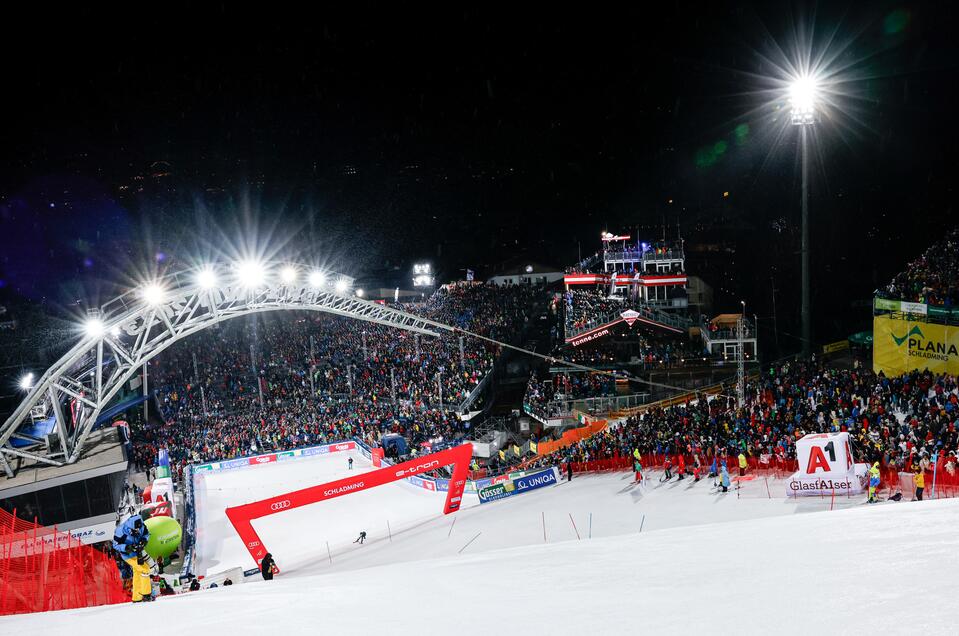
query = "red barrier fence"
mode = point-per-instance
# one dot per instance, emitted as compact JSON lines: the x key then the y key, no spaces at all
{"x":43,"y":569}
{"x":892,"y":481}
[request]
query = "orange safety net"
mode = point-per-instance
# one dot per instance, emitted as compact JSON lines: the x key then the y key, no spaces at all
{"x":570,"y":437}
{"x":43,"y":569}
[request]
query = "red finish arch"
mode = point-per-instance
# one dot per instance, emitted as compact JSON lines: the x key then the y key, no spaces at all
{"x":242,"y":516}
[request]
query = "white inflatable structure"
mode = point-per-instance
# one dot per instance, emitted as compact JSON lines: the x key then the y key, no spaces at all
{"x":826,"y":467}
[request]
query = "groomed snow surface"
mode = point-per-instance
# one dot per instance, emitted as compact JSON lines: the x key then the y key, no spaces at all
{"x":746,"y":562}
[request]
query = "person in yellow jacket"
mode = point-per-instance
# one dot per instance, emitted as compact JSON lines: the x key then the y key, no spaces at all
{"x":742,"y":464}
{"x":142,"y":584}
{"x":873,"y":482}
{"x":920,"y":480}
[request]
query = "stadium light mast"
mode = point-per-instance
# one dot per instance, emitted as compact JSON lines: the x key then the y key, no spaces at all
{"x":803,"y":100}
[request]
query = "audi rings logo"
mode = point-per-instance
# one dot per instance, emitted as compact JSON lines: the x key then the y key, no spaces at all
{"x":280,"y":505}
{"x":253,"y":544}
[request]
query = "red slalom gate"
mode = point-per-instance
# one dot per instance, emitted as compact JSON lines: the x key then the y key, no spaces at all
{"x":242,"y":516}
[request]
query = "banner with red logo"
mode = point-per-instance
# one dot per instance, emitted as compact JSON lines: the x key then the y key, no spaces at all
{"x":242,"y":516}
{"x":262,"y":459}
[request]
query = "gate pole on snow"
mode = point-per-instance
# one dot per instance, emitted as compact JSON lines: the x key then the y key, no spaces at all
{"x":574,"y":525}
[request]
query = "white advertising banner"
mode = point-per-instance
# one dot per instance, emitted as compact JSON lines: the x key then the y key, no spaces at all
{"x":826,"y":466}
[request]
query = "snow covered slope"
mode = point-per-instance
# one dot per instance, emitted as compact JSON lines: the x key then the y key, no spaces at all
{"x":405,"y":523}
{"x":887,"y":569}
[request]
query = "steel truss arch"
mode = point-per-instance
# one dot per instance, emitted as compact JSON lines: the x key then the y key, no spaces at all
{"x":134,"y":331}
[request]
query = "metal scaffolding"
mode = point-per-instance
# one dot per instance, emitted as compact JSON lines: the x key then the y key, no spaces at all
{"x":84,"y":381}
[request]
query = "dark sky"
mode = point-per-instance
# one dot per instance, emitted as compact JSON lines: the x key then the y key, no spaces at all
{"x":472,"y":137}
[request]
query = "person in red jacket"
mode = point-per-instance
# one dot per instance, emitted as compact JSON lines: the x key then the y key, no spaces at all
{"x":667,"y":464}
{"x":681,"y":472}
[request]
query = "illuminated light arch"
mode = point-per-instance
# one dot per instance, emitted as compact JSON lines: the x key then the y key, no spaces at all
{"x":134,"y":328}
{"x":242,"y":516}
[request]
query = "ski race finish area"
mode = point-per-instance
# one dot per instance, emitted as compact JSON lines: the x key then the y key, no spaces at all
{"x":242,"y":516}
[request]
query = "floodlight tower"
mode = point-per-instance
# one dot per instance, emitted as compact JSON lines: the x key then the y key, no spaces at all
{"x":803,"y":98}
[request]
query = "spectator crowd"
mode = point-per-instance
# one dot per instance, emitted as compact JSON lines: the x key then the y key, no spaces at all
{"x":900,"y":422}
{"x":933,"y":278}
{"x":325,"y":378}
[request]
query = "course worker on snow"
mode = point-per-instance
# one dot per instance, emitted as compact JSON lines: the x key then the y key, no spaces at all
{"x":742,"y":464}
{"x":129,"y":539}
{"x":724,"y":478}
{"x":873,"y":482}
{"x":920,"y":480}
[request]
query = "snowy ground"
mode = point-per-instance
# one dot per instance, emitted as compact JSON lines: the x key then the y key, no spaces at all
{"x":886,"y":569}
{"x":598,"y":505}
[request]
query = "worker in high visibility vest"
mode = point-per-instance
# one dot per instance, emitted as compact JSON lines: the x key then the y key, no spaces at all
{"x":742,"y":464}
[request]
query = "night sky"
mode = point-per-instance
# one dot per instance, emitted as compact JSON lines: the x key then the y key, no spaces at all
{"x":139,"y":140}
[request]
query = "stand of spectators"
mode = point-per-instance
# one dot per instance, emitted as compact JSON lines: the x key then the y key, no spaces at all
{"x":325,"y":377}
{"x":900,"y":422}
{"x":933,"y":278}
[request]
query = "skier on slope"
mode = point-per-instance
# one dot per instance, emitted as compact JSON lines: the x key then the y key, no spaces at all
{"x":360,"y":539}
{"x":350,"y":463}
{"x":667,"y":464}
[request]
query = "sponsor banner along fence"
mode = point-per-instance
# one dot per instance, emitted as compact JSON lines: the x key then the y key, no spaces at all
{"x":268,"y":458}
{"x":519,"y":485}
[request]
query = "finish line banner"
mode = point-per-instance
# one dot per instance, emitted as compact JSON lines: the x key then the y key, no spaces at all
{"x":900,"y":346}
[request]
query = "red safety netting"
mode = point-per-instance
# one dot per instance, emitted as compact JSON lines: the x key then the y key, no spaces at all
{"x":946,"y":483}
{"x":44,"y":569}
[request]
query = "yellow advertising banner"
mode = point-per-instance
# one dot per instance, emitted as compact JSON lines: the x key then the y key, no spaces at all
{"x":900,"y":346}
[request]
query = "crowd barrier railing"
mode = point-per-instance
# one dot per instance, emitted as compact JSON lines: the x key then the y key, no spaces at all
{"x":939,"y":483}
{"x":44,"y":569}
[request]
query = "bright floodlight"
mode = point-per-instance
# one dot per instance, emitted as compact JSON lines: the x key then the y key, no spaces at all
{"x":26,"y":382}
{"x":250,"y":273}
{"x":93,"y":327}
{"x":288,"y":275}
{"x":206,"y":278}
{"x":152,"y":294}
{"x":317,"y":279}
{"x":115,"y":331}
{"x":359,"y":292}
{"x":803,"y":97}
{"x":341,"y":285}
